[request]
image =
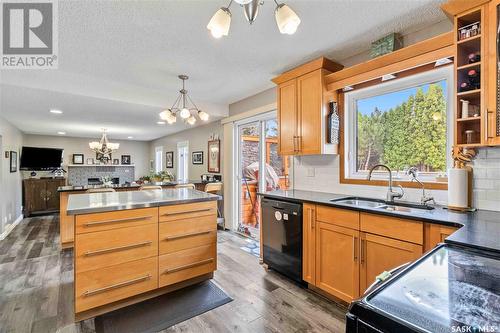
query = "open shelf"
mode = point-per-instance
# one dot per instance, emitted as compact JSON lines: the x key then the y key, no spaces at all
{"x":470,"y":39}
{"x":469,"y":119}
{"x":467,"y":66}
{"x":469,"y":92}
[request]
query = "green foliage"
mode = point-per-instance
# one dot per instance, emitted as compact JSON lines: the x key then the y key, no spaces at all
{"x":411,"y":134}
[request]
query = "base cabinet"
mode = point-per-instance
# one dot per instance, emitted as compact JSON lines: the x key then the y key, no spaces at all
{"x":40,"y":195}
{"x":343,"y":259}
{"x":337,"y":264}
{"x":378,"y":254}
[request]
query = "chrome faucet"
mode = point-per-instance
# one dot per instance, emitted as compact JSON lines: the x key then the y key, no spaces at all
{"x":424,"y":199}
{"x":391,"y":194}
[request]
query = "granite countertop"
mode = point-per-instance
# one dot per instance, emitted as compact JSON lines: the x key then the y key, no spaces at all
{"x":86,"y":203}
{"x":479,"y":229}
{"x":71,"y":188}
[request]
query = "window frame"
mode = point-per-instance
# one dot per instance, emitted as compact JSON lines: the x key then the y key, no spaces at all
{"x":158,"y":161}
{"x":350,"y":123}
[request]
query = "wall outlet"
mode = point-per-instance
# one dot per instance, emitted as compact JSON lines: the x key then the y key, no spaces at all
{"x":311,"y":172}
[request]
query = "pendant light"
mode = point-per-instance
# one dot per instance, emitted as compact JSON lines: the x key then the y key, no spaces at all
{"x":180,"y":107}
{"x":287,"y":20}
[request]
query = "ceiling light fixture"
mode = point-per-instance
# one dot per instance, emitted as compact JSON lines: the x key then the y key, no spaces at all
{"x":287,"y":20}
{"x":103,"y":148}
{"x":61,"y":133}
{"x":180,"y":107}
{"x":160,"y":122}
{"x":54,"y":111}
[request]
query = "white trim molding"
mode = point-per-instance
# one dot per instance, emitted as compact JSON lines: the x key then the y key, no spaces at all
{"x":10,"y":227}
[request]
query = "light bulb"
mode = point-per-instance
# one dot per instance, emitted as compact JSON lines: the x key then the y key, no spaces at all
{"x":286,"y":19}
{"x":165,"y":114}
{"x":220,"y":23}
{"x":185,"y":113}
{"x":172,"y":119}
{"x":203,"y":115}
{"x":191,"y":120}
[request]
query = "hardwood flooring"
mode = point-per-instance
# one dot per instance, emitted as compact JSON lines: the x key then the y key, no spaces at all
{"x":36,"y":290}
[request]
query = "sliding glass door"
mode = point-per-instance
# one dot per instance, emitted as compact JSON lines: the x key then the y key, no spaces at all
{"x":257,"y":149}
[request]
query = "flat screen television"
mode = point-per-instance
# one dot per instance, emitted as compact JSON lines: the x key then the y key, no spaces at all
{"x":33,"y":158}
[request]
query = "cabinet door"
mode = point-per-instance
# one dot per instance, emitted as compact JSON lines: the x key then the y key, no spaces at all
{"x":287,"y":117}
{"x":493,"y":92}
{"x":337,"y":266}
{"x":309,"y":244}
{"x":435,"y":233}
{"x":34,"y":195}
{"x":310,"y":111}
{"x":52,"y":195}
{"x":380,"y":254}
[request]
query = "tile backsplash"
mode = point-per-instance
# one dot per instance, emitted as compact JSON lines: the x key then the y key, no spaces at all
{"x":322,"y":173}
{"x":79,"y":175}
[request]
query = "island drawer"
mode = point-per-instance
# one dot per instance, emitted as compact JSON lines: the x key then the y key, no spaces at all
{"x":187,"y":211}
{"x":115,"y":220}
{"x":106,"y":285}
{"x":393,"y":227}
{"x":339,"y":217}
{"x":182,"y":265}
{"x":111,"y":247}
{"x":188,"y":233}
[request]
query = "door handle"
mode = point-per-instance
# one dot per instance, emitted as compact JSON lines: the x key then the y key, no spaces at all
{"x":487,"y":123}
{"x":181,"y":268}
{"x":311,"y":218}
{"x":131,"y":219}
{"x":188,"y":212}
{"x":118,"y":248}
{"x":362,"y":252}
{"x":354,"y":248}
{"x":170,"y":238}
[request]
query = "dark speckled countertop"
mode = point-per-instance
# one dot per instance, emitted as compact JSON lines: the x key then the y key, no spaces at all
{"x":479,"y":229}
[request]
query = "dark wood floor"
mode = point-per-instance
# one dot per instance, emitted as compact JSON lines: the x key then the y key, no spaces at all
{"x":36,"y":290}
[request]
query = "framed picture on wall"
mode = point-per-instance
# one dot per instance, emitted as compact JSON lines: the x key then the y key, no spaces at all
{"x":13,"y":161}
{"x":77,"y":158}
{"x":214,"y":156}
{"x":126,"y":159}
{"x":169,"y":161}
{"x":197,"y":157}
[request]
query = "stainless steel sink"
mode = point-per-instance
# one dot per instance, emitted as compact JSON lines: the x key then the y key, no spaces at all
{"x":381,"y":204}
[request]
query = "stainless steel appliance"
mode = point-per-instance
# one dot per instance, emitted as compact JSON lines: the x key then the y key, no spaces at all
{"x":282,"y":237}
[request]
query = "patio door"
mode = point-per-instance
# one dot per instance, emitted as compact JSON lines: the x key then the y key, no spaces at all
{"x":257,"y":149}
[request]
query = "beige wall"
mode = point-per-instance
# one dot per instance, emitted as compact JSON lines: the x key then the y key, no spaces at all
{"x":11,"y":139}
{"x":198,"y":141}
{"x":256,"y":101}
{"x":139,"y":150}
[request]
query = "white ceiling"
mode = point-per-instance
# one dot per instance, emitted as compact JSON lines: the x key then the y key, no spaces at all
{"x":119,"y":60}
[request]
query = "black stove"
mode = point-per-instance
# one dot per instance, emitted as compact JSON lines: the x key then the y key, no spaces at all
{"x":451,"y":289}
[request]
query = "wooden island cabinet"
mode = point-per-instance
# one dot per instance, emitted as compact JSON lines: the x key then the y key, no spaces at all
{"x":126,"y":256}
{"x":345,"y":250}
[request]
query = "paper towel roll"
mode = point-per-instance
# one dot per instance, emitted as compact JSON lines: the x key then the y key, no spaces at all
{"x":457,"y":188}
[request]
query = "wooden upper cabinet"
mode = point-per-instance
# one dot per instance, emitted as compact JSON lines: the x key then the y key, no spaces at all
{"x":378,"y":254}
{"x":337,"y":260}
{"x":310,"y":113}
{"x":493,"y":93}
{"x":302,"y":110}
{"x":309,"y":244}
{"x":287,"y":117}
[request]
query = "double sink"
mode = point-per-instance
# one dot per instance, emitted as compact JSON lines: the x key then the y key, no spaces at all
{"x":360,"y":202}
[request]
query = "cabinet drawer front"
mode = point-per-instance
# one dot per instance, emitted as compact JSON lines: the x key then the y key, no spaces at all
{"x":111,"y":247}
{"x":106,"y":285}
{"x":393,"y":227}
{"x":187,"y":211}
{"x":185,"y":234}
{"x":341,"y":217}
{"x":114,"y":220}
{"x":186,"y":264}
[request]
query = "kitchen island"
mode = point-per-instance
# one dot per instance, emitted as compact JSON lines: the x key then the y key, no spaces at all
{"x":67,"y":221}
{"x":132,"y":246}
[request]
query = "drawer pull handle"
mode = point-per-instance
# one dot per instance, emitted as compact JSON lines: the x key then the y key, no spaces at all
{"x":169,"y":238}
{"x":115,"y":286}
{"x":181,"y":268}
{"x":115,"y":249}
{"x":130,"y":219}
{"x":188,"y":211}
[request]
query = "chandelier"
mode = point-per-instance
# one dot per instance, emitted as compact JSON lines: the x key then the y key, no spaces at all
{"x":180,"y":107}
{"x":103,"y":148}
{"x":286,"y":19}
